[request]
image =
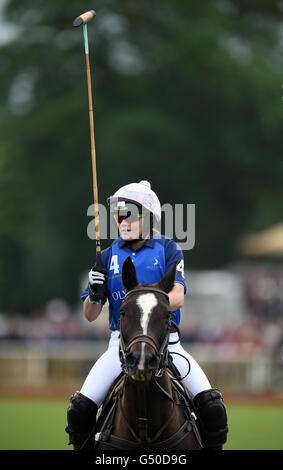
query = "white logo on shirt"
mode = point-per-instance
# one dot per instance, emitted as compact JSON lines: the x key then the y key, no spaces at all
{"x":118,"y":295}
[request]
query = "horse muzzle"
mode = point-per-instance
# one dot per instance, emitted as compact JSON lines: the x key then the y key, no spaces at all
{"x":141,"y":362}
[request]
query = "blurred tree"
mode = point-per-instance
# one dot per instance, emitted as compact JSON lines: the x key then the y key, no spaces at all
{"x":187,"y":95}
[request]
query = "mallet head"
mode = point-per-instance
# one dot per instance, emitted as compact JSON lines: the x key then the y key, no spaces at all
{"x":84,"y":18}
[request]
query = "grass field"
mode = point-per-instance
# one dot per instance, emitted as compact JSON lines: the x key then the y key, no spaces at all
{"x":39,"y":425}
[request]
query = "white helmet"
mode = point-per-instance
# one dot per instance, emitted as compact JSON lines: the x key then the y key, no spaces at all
{"x":141,"y":194}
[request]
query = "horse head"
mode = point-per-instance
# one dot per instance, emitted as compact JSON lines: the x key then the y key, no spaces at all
{"x":144,"y":324}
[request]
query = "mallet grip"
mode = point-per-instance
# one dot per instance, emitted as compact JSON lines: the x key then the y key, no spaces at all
{"x":84,"y":18}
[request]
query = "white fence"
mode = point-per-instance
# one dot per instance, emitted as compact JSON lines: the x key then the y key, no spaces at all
{"x":68,"y":362}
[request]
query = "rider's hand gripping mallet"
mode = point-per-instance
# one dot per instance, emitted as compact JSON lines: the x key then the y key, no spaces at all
{"x":83,"y":20}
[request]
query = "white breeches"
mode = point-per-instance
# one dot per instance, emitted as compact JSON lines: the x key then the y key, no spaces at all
{"x":108,"y":367}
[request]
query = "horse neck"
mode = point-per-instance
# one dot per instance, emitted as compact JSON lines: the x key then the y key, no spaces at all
{"x":147,"y":401}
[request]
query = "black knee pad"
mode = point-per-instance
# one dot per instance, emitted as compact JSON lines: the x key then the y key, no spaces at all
{"x":81,"y":417}
{"x":212,"y":414}
{"x":81,"y":412}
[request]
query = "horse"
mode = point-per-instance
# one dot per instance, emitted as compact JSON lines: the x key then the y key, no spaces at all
{"x":148,"y":407}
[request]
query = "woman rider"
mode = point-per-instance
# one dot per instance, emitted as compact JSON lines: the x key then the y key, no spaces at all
{"x":136,"y":209}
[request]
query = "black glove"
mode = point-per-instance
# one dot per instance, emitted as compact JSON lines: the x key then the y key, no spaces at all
{"x":97,"y":278}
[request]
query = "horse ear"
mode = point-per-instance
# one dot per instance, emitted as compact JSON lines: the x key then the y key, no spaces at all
{"x":167,"y":282}
{"x":129,"y":276}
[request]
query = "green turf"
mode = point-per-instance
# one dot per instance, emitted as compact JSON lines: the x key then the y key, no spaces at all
{"x":39,"y":424}
{"x":33,"y":425}
{"x":255,"y":427}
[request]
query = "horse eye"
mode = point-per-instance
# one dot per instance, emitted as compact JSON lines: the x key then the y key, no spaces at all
{"x":122,"y":312}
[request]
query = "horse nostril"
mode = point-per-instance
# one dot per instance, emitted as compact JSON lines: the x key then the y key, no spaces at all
{"x":142,"y":359}
{"x":152,"y":362}
{"x":132,"y":359}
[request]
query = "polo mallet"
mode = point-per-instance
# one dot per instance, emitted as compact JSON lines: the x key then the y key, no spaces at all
{"x":83,"y":20}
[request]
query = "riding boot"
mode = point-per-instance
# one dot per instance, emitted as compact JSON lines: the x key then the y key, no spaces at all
{"x":81,"y":417}
{"x":212,"y":415}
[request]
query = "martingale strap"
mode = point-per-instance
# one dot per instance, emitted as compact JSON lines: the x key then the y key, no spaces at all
{"x":107,"y":438}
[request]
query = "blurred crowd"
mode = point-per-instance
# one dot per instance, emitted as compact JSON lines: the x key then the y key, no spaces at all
{"x":258,"y":329}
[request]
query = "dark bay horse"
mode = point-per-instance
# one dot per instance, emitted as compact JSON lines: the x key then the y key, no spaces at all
{"x":150,"y":409}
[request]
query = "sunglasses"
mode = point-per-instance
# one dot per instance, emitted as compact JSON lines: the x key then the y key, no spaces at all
{"x":128,"y":217}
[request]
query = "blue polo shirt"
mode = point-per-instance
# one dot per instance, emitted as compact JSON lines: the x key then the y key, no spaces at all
{"x":152,"y":261}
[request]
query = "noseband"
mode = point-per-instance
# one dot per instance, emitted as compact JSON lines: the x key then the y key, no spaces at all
{"x":161,"y":353}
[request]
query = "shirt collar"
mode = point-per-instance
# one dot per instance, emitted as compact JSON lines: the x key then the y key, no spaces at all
{"x":149,"y":242}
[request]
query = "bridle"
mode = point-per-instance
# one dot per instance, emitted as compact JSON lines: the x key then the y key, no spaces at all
{"x":161,"y":353}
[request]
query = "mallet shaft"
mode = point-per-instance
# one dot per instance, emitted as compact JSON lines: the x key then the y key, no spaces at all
{"x":93,"y":155}
{"x":83,"y":20}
